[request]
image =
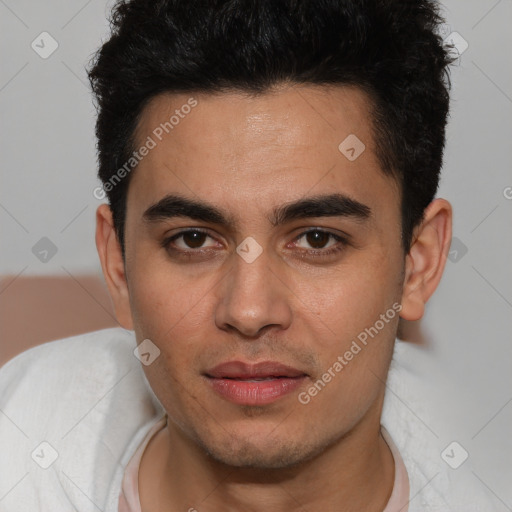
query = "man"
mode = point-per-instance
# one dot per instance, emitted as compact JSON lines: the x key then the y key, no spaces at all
{"x":271,"y":170}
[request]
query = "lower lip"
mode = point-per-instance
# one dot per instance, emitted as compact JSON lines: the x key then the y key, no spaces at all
{"x":261,"y":392}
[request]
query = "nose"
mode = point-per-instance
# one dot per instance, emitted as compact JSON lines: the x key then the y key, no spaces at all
{"x":252,"y":298}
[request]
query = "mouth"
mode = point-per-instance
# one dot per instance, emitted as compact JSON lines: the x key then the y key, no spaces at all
{"x":254,"y":384}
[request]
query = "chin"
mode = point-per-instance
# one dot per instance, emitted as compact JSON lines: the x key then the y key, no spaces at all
{"x":271,"y":453}
{"x":251,"y":457}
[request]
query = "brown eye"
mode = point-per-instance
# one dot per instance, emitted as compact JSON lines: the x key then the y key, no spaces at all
{"x":317,"y":239}
{"x":320,"y":243}
{"x":187,"y":240}
{"x":194,"y":239}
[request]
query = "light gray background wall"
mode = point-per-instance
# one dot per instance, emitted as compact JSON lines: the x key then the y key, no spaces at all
{"x":48,"y":170}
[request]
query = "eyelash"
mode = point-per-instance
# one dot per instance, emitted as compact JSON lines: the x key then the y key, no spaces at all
{"x":314,"y":252}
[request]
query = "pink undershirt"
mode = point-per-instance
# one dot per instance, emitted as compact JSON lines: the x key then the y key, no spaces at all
{"x":129,"y":496}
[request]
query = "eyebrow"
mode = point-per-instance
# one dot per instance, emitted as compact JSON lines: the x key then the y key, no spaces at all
{"x":331,"y":205}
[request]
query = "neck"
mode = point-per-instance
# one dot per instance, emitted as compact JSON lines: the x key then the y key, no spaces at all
{"x":356,"y":472}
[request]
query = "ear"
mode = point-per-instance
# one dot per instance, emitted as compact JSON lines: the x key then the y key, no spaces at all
{"x":424,"y":264}
{"x":112,"y":264}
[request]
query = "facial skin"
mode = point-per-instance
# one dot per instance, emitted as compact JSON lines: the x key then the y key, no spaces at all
{"x":246,"y":157}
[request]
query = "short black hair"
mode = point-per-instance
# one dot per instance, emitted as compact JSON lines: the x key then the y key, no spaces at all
{"x":391,"y":49}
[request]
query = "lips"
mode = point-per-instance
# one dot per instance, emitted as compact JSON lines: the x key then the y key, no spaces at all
{"x":243,"y":371}
{"x":254,"y":384}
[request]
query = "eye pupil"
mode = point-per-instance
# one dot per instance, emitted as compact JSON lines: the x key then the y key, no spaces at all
{"x":194,"y":239}
{"x":317,"y":239}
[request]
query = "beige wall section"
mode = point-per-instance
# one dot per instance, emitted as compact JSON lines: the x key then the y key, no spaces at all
{"x":34,"y":310}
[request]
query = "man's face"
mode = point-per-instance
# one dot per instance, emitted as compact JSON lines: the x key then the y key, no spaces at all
{"x":300,"y":302}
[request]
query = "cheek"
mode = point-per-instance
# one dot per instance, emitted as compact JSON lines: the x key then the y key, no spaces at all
{"x":354,"y":366}
{"x":352,"y":298}
{"x":164,"y":296}
{"x":353,"y":317}
{"x":173,"y":309}
{"x":171,"y":315}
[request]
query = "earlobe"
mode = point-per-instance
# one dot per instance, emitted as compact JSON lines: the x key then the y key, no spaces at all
{"x":426,"y":259}
{"x":112,"y":264}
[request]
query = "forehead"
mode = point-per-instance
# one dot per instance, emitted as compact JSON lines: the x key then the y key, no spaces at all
{"x":276,"y":146}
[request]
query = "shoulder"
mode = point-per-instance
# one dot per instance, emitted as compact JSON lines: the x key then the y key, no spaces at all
{"x":439,"y":467}
{"x":103,"y":344}
{"x":68,"y":412}
{"x":58,"y":379}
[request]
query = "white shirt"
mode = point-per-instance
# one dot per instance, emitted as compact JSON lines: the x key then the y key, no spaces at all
{"x":73,"y":412}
